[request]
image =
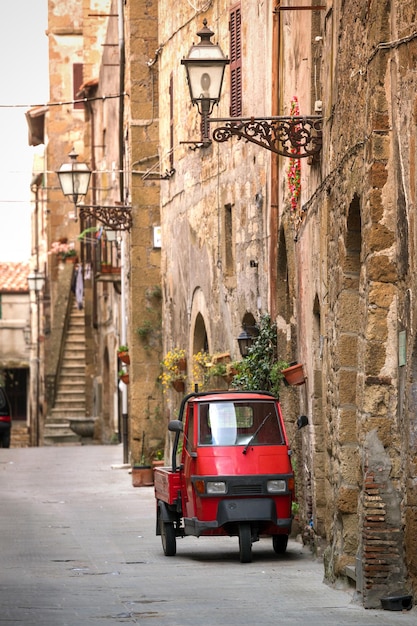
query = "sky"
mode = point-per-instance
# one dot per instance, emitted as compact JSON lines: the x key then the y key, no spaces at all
{"x":24,"y":81}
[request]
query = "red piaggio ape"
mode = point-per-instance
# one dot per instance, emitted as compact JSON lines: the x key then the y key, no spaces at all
{"x":231,"y":472}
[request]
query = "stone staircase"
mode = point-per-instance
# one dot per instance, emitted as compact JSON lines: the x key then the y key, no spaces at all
{"x":70,"y":394}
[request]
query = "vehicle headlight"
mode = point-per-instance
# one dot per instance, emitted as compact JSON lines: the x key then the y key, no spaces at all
{"x":216,"y":487}
{"x":276,"y":486}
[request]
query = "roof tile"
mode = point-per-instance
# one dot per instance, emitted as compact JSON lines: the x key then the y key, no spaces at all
{"x":14,"y":277}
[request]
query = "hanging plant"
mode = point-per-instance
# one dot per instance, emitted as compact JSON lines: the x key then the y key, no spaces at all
{"x":294,"y":168}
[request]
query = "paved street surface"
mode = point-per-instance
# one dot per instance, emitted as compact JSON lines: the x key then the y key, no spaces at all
{"x":78,"y":548}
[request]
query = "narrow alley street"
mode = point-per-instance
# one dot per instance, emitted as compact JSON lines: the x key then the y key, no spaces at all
{"x":78,"y":548}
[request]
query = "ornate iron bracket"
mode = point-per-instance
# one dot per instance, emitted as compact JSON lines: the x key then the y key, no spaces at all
{"x":115,"y":217}
{"x":295,"y":137}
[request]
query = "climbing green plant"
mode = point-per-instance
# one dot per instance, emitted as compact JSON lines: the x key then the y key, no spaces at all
{"x":261,"y":369}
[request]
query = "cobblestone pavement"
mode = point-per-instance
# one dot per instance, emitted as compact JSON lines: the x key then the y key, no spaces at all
{"x":78,"y":548}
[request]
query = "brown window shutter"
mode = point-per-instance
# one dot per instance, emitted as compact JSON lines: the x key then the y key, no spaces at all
{"x":77,"y":81}
{"x":235,"y":62}
{"x":171,"y":122}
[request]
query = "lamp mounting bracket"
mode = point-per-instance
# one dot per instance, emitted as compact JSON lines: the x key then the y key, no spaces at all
{"x":117,"y":217}
{"x":296,"y":137}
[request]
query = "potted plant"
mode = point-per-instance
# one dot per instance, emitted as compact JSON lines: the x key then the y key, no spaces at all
{"x":105,"y":268}
{"x":294,"y":374}
{"x":158,"y":461}
{"x":174,"y":365}
{"x":123,"y":354}
{"x":124,"y":376}
{"x":63,"y":250}
{"x":142,"y":472}
{"x":216,"y":375}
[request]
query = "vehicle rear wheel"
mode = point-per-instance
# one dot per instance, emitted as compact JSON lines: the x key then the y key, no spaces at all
{"x":280,"y":543}
{"x":169,"y":541}
{"x":245,"y":543}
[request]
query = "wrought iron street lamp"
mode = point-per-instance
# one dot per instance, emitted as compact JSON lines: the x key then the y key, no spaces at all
{"x":74,"y":179}
{"x":289,"y":136}
{"x":205,"y":67}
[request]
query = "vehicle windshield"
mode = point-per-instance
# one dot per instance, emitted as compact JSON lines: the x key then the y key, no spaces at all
{"x":238,"y":423}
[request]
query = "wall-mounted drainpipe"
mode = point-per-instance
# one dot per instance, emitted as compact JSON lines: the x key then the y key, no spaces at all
{"x":123,"y":330}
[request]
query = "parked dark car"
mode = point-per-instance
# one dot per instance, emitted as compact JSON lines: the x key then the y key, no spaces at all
{"x":5,"y":420}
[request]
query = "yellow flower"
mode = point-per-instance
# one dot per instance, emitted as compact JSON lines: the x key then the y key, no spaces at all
{"x":170,"y":367}
{"x":201,"y":363}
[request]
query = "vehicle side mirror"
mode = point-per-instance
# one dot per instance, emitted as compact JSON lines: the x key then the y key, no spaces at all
{"x":175,"y":426}
{"x":302,"y":421}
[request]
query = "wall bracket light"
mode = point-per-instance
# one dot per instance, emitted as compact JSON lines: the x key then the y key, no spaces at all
{"x":246,"y":339}
{"x":117,"y":217}
{"x":74,"y":179}
{"x":294,"y":137}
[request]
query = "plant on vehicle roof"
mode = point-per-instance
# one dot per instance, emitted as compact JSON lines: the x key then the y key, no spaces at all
{"x":261,"y":369}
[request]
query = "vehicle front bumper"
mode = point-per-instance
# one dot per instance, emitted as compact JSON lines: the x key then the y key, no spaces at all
{"x":233,"y":511}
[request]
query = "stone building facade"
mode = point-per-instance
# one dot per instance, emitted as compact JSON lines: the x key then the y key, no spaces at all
{"x":77,"y":33}
{"x":104,"y":105}
{"x":330,"y":257}
{"x":325,"y":244}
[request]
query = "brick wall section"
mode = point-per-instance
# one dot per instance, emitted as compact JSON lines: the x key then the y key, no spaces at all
{"x":382,"y":538}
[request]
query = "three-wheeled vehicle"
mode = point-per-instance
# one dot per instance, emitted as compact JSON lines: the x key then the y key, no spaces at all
{"x":231,"y":472}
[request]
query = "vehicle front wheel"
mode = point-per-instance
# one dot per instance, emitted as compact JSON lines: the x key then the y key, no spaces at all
{"x":279,"y":543}
{"x":245,"y":543}
{"x":169,"y":540}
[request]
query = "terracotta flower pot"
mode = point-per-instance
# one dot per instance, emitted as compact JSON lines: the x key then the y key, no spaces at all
{"x":182,"y":365}
{"x":124,"y":357}
{"x":178,"y":384}
{"x":125,"y":378}
{"x":142,"y":476}
{"x":294,"y":375}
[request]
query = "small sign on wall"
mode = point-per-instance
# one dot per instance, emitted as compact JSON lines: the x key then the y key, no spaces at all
{"x":402,"y":348}
{"x":156,"y":236}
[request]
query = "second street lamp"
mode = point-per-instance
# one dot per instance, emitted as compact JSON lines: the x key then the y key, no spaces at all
{"x":74,"y":179}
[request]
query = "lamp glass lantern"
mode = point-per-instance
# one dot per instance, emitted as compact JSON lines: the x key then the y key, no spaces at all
{"x":74,"y":178}
{"x":36,"y":281}
{"x":245,"y":341}
{"x":205,"y":67}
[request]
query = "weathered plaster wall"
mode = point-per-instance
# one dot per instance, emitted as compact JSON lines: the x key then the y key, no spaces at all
{"x":194,"y":200}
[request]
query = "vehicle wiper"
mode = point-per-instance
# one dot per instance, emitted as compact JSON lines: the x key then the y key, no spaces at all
{"x":261,"y":425}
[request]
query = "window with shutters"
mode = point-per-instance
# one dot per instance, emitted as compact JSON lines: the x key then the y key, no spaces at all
{"x":77,"y":81}
{"x":235,"y":62}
